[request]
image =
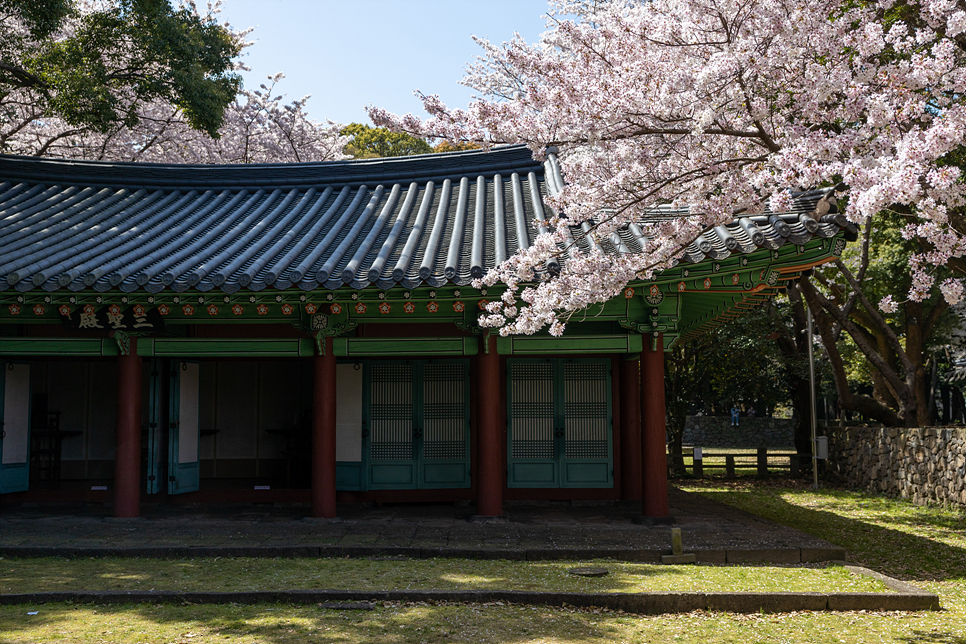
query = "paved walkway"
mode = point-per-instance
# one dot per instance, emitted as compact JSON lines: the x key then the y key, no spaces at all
{"x":715,"y":532}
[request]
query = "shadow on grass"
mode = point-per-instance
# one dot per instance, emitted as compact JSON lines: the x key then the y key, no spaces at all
{"x":284,"y":624}
{"x":914,"y":552}
{"x":934,"y":638}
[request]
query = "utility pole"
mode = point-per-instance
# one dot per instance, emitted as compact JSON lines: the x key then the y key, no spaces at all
{"x":811,"y":393}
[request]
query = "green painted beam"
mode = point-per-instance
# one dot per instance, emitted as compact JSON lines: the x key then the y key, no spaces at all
{"x":386,"y":347}
{"x":66,"y":347}
{"x":248,"y":348}
{"x":576,"y":344}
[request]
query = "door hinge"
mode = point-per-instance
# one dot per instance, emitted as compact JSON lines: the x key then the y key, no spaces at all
{"x":151,"y":477}
{"x":171,"y":478}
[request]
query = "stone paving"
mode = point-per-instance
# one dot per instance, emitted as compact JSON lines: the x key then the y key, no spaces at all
{"x":716,"y":532}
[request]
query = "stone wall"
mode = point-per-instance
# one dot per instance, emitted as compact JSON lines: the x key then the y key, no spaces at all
{"x":926,"y":465}
{"x":716,"y":431}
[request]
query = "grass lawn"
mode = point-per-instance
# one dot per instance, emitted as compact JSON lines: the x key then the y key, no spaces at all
{"x":193,"y":575}
{"x":924,"y":545}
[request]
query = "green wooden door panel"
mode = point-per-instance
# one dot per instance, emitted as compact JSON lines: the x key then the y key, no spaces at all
{"x":15,"y":427}
{"x":532,"y":424}
{"x":587,"y":475}
{"x":397,"y":476}
{"x":444,"y":475}
{"x":348,"y":475}
{"x":416,"y":424}
{"x":586,"y":458}
{"x":389,"y":428}
{"x":560,"y":429}
{"x":533,"y":474}
{"x":444,"y":424}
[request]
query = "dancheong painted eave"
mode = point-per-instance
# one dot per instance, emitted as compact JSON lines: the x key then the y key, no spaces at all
{"x":426,"y":220}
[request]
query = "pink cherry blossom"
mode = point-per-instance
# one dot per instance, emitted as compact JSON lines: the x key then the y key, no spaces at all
{"x":721,"y":107}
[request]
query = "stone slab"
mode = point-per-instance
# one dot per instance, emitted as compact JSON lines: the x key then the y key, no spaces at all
{"x":766,"y":602}
{"x":764,"y":555}
{"x":812,"y":555}
{"x":711,"y":556}
{"x":683,"y":558}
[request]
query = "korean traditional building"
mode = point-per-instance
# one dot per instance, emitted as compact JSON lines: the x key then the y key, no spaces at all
{"x":308,"y":333}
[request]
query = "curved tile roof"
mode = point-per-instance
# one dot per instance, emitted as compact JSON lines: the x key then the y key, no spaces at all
{"x":432,"y":219}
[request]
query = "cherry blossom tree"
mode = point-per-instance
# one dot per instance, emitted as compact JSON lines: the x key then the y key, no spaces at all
{"x":720,"y":107}
{"x":258,"y":128}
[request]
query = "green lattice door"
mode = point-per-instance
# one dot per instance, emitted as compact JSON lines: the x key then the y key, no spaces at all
{"x":560,"y":428}
{"x":416,"y":425}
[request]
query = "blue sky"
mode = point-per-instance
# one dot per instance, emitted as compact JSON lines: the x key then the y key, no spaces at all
{"x":349,"y":53}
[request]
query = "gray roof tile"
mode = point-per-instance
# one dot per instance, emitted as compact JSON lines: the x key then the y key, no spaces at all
{"x":431,"y":219}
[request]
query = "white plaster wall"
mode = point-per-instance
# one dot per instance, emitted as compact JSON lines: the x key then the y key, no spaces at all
{"x":348,"y":418}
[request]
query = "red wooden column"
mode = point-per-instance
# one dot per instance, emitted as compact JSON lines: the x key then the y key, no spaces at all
{"x":630,"y":429}
{"x":489,"y":456}
{"x":654,"y":430}
{"x":127,"y":459}
{"x":323,"y":433}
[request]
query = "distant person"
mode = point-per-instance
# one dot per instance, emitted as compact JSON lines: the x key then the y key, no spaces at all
{"x":751,"y":412}
{"x":735,"y":413}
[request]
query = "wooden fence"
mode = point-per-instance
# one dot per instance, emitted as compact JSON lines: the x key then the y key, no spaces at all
{"x":761,"y":460}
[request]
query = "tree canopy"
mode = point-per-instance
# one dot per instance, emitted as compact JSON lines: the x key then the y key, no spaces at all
{"x":367,"y":142}
{"x":95,"y":64}
{"x":168,"y":94}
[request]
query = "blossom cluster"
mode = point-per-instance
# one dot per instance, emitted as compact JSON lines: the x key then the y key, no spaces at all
{"x":718,"y":107}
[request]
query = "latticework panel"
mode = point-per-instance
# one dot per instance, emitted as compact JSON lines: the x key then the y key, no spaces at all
{"x":444,"y":410}
{"x":585,"y":409}
{"x":391,"y":412}
{"x":531,"y":410}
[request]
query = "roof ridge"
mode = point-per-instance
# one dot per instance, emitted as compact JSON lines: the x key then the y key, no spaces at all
{"x":356,"y":171}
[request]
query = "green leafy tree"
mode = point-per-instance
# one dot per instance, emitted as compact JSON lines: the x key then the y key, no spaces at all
{"x":686,"y":367}
{"x":889,"y":351}
{"x":374,"y":142}
{"x":459,"y":146}
{"x":95,"y":64}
